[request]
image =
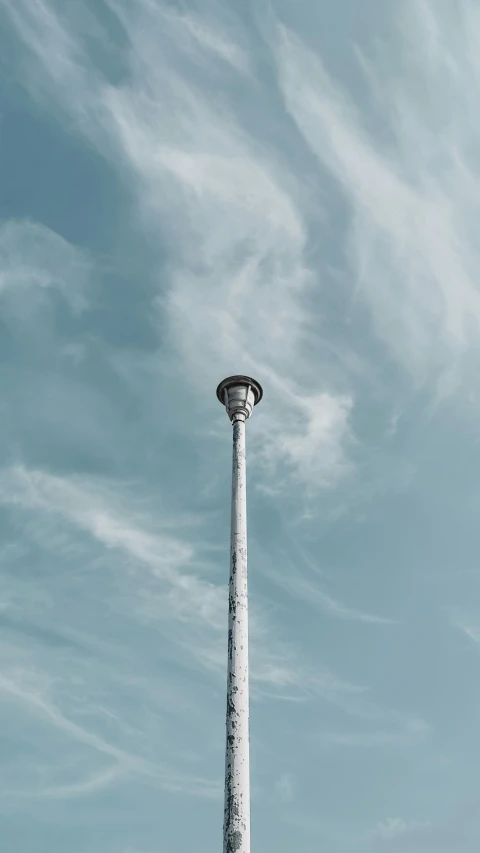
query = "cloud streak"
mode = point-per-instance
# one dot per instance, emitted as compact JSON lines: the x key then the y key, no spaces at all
{"x":412,"y":258}
{"x":467,"y":626}
{"x":229,"y":207}
{"x":174,"y":592}
{"x":392,"y":828}
{"x":305,"y":589}
{"x":172,"y":596}
{"x":24,"y":689}
{"x":32,"y":257}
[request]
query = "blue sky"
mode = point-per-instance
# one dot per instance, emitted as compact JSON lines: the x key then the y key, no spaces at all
{"x":288,"y":190}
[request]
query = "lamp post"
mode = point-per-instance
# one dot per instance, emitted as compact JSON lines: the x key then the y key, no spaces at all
{"x":239,"y":394}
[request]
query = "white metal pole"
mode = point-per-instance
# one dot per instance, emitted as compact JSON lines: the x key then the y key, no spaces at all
{"x":237,"y":760}
{"x":239,"y":395}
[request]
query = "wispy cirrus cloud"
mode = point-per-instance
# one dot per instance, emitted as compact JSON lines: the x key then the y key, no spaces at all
{"x":86,"y":787}
{"x":469,"y":627}
{"x":209,"y":36}
{"x":229,"y":206}
{"x":34,"y":258}
{"x":161,"y":583}
{"x":29,"y":692}
{"x":409,"y":196}
{"x":313,"y":592}
{"x":78,"y":679}
{"x":174,"y":593}
{"x":395,"y":827}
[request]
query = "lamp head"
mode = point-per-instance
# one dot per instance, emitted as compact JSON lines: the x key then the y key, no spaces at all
{"x":239,"y":394}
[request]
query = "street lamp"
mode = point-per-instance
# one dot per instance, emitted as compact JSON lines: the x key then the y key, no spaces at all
{"x":239,"y":394}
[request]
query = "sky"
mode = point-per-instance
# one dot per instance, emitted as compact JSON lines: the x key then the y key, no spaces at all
{"x":188,"y":190}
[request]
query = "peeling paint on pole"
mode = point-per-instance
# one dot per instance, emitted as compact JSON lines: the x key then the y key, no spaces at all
{"x":239,"y":394}
{"x":237,"y":762}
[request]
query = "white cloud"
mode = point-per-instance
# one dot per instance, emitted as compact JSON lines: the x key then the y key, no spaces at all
{"x":83,"y":788}
{"x":473,"y":633}
{"x":160,"y":579}
{"x":209,"y":37}
{"x":34,"y":257}
{"x":227,"y":204}
{"x":309,"y":441}
{"x":31,"y":691}
{"x":22,"y":687}
{"x":97,"y":509}
{"x":414,"y":256}
{"x":468,"y":627}
{"x":394,"y":827}
{"x":304,"y":588}
{"x":173,"y":593}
